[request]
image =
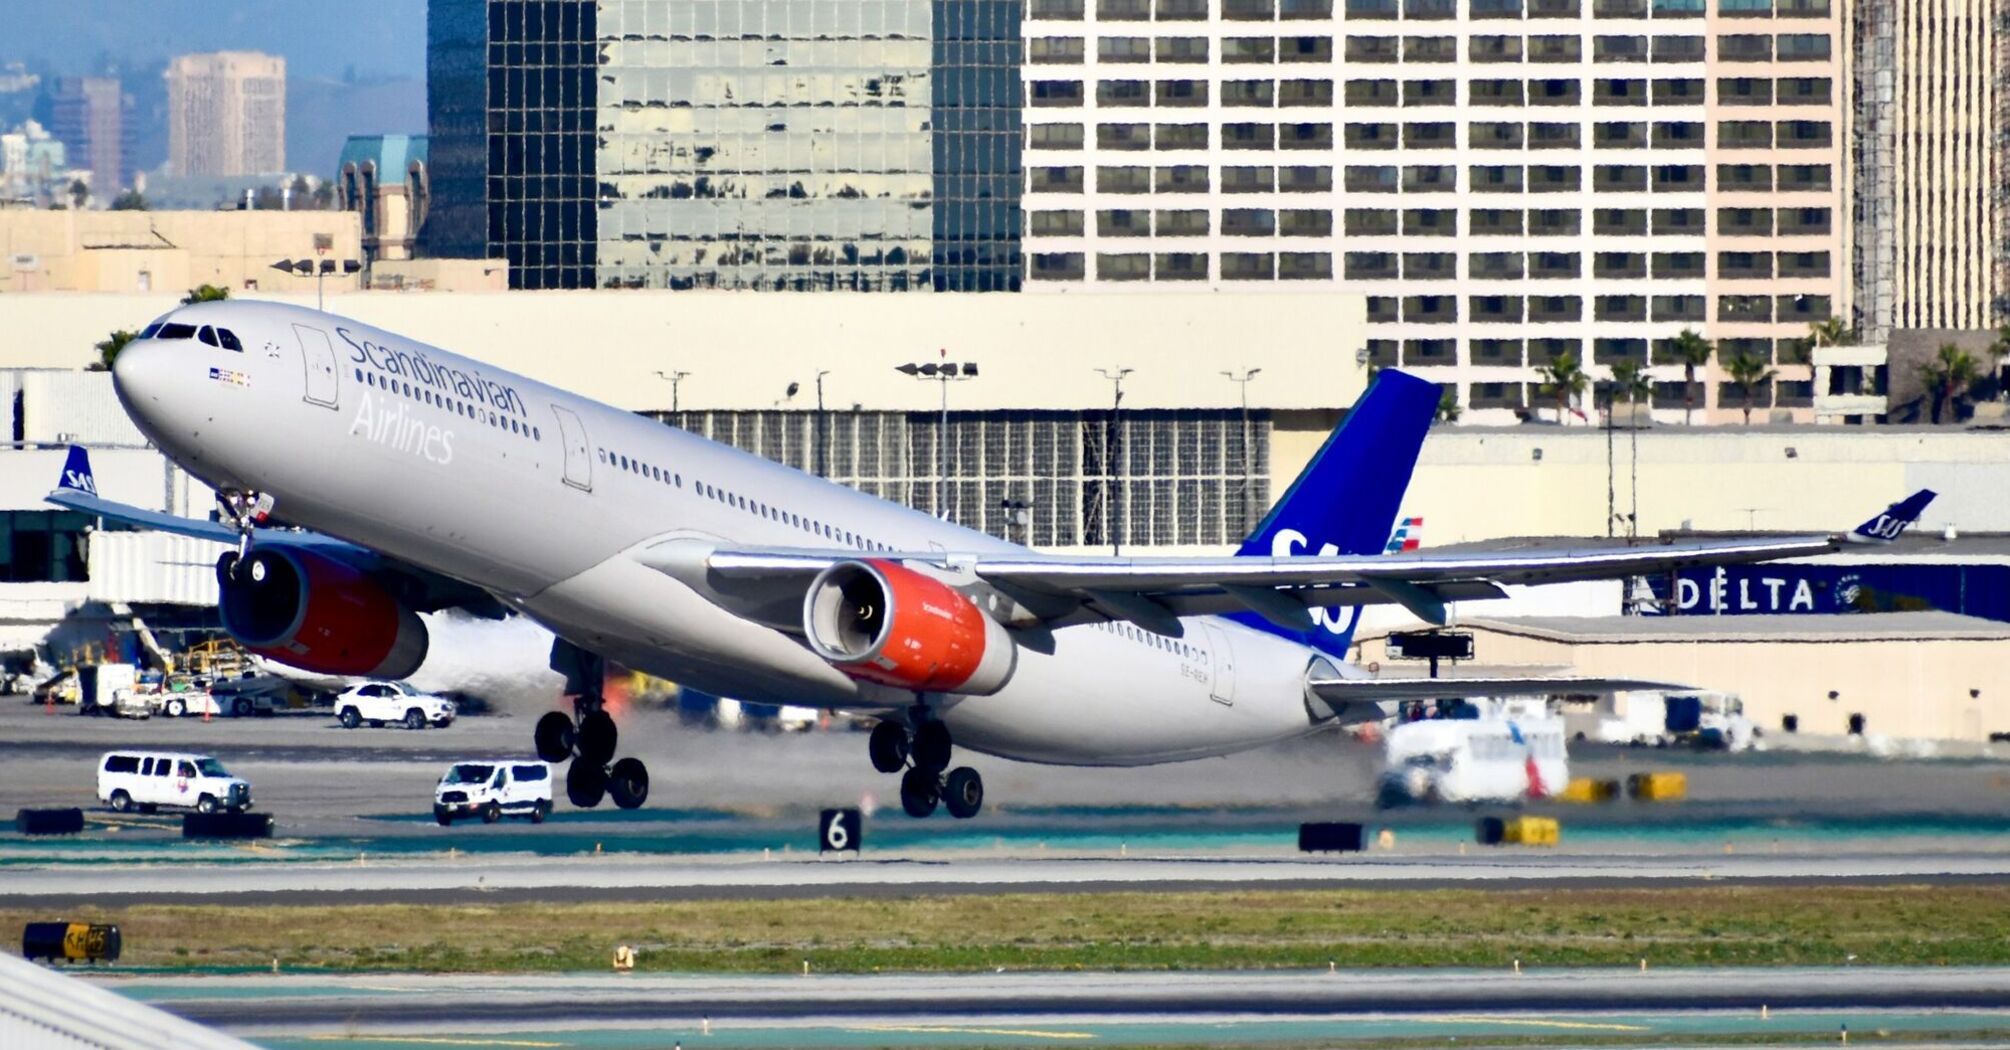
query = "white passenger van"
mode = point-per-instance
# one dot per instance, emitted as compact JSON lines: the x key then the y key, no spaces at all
{"x":491,"y":790}
{"x":142,"y":780}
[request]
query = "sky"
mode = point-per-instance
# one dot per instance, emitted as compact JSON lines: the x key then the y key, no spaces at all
{"x":375,"y":38}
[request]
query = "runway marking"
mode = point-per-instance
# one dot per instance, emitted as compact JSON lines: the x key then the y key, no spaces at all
{"x":433,"y":1040}
{"x":1524,"y":1022}
{"x":1033,"y":1033}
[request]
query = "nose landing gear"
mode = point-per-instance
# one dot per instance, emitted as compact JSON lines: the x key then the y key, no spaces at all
{"x":924,"y":757}
{"x":591,"y":742}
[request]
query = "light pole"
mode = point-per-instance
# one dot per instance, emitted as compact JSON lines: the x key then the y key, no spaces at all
{"x":1248,"y":470}
{"x":303,"y":267}
{"x":944,"y":373}
{"x":1113,"y":480}
{"x":822,"y":464}
{"x":676,"y":379}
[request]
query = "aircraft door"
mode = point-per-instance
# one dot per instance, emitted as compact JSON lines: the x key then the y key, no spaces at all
{"x":1221,"y":657}
{"x":578,"y":457}
{"x":317,"y":354}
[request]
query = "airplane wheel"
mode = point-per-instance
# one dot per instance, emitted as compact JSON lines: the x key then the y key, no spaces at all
{"x":931,"y":747}
{"x":888,"y":747}
{"x":963,"y":793}
{"x":585,"y":784}
{"x":919,"y":793}
{"x":554,"y":737}
{"x":597,"y":737}
{"x":628,"y":782}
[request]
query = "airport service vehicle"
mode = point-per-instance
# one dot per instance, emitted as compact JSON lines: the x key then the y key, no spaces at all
{"x":147,"y":779}
{"x":59,"y":688}
{"x":492,"y":791}
{"x":100,"y":688}
{"x":1471,"y":751}
{"x":381,"y":702}
{"x":364,"y":478}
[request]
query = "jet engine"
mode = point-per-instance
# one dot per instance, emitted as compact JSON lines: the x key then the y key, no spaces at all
{"x":882,"y":622}
{"x":317,"y":614}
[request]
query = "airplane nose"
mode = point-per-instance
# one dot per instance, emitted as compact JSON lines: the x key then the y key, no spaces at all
{"x":139,"y":370}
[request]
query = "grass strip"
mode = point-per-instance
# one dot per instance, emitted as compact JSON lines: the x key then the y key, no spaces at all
{"x":1256,"y":929}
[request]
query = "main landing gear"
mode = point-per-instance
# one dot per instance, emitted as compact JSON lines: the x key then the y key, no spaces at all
{"x":924,"y":757}
{"x":589,"y":743}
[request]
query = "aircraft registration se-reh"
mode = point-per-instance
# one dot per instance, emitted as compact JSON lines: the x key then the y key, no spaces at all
{"x":365,"y":478}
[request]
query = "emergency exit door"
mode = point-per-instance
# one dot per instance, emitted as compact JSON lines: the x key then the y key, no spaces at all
{"x":578,"y":455}
{"x":317,"y":356}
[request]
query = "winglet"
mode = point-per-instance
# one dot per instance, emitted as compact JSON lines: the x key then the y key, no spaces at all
{"x":1887,"y":526}
{"x":77,"y":476}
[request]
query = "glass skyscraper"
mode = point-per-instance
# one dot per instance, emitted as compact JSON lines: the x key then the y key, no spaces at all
{"x":769,"y":144}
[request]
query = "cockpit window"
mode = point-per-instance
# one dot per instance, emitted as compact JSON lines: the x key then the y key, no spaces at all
{"x":229,"y":339}
{"x":208,"y":335}
{"x":176,"y":331}
{"x":148,"y":332}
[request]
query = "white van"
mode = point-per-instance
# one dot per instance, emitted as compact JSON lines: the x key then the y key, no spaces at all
{"x":490,"y":790}
{"x":145,"y":779}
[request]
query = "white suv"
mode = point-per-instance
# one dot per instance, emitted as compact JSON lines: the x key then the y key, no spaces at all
{"x":145,"y":779}
{"x":381,"y":702}
{"x":490,"y":790}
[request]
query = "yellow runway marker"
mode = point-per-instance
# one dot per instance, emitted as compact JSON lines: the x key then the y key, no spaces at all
{"x":435,"y":1040}
{"x":1591,"y":1025}
{"x":1025,"y":1033}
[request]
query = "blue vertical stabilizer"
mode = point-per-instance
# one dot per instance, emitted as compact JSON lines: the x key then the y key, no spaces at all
{"x":1348,"y":496}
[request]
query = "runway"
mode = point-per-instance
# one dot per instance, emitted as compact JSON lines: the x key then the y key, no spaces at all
{"x":438,"y":879}
{"x":1021,"y":1009}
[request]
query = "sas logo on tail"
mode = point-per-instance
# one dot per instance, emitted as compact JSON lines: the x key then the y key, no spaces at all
{"x":1290,"y":543}
{"x":1409,"y":535}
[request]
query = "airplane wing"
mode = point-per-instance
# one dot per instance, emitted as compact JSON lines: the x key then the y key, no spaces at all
{"x":1155,"y":592}
{"x":1356,"y":690}
{"x":420,"y":589}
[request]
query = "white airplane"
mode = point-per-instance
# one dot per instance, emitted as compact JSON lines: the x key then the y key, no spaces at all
{"x":414,"y":479}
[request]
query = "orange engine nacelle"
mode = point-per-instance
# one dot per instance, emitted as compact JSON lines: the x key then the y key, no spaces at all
{"x":317,"y":614}
{"x":882,"y":622}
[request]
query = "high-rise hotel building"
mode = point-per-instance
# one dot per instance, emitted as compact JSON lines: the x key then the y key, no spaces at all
{"x":1507,"y":180}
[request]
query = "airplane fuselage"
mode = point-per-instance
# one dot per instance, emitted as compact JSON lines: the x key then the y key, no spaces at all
{"x":544,"y":499}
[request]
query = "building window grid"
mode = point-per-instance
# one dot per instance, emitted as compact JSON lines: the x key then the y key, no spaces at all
{"x":1179,"y":472}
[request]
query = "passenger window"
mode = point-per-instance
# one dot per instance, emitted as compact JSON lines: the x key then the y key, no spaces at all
{"x":186,"y":769}
{"x":161,"y":767}
{"x":146,"y":767}
{"x":229,"y":339}
{"x":528,"y":774}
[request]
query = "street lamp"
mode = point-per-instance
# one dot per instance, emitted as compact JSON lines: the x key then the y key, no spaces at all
{"x":822,"y":465}
{"x":1248,"y":470}
{"x":1112,"y":481}
{"x":676,"y":379}
{"x":303,"y":267}
{"x":944,"y":373}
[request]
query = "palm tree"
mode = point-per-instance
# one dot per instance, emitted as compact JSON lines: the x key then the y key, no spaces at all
{"x":131,"y":200}
{"x":108,"y":350}
{"x":1448,"y":406}
{"x":79,"y":193}
{"x":1948,"y":376}
{"x":1750,"y":374}
{"x":1563,"y":378}
{"x":208,"y":293}
{"x":1692,"y":352}
{"x":1630,"y":381}
{"x":1833,"y":331}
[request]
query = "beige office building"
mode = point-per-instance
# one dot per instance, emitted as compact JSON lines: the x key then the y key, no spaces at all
{"x":1929,"y":173}
{"x":1506,"y":181}
{"x":227,"y":114}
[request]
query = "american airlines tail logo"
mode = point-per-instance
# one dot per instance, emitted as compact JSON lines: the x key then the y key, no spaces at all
{"x":1290,"y":543}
